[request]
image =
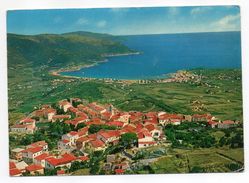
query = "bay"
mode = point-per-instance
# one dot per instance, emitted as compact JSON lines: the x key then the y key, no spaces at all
{"x":166,"y":53}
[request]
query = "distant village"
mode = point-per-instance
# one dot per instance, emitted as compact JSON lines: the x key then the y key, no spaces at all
{"x":35,"y":158}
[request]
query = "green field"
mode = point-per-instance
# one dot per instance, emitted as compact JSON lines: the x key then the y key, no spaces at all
{"x":182,"y":161}
{"x":224,"y":102}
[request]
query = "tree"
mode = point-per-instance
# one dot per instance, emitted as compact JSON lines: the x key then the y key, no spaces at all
{"x":197,"y":169}
{"x":233,"y":166}
{"x":79,"y":126}
{"x":28,"y":139}
{"x":96,"y":128}
{"x":128,"y":140}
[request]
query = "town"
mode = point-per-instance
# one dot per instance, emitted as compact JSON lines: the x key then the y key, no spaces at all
{"x":96,"y":128}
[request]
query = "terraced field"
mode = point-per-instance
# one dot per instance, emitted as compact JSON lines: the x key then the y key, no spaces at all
{"x":211,"y":160}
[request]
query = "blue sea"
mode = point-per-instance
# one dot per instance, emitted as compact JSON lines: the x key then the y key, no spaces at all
{"x":167,"y":53}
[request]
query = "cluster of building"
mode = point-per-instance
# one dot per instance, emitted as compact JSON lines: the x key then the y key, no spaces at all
{"x":148,"y":128}
{"x":182,"y":77}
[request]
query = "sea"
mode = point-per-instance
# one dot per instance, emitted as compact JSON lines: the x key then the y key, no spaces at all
{"x":161,"y":54}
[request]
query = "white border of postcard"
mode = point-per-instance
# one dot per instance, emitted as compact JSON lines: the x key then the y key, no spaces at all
{"x":58,"y":4}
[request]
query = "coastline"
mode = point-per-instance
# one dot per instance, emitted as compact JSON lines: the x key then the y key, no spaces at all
{"x":79,"y":67}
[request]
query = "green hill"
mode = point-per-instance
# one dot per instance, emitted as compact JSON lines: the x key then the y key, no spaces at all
{"x":60,"y":50}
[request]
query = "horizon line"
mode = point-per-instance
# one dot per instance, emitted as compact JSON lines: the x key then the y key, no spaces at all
{"x":121,"y":34}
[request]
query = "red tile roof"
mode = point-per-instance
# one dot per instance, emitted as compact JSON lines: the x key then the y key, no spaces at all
{"x":60,"y":172}
{"x":73,"y":109}
{"x":96,"y":107}
{"x":212,"y":122}
{"x":50,"y":110}
{"x":115,"y":123}
{"x":73,"y":133}
{"x":64,"y":102}
{"x":12,"y":165}
{"x":14,"y":172}
{"x":207,"y":116}
{"x":22,"y":126}
{"x":106,"y":115}
{"x":82,"y":114}
{"x":97,"y":143}
{"x":170,"y":116}
{"x":83,"y":139}
{"x":61,"y":117}
{"x":33,"y":149}
{"x":33,"y":167}
{"x":228,"y":122}
{"x":109,"y":133}
{"x":66,"y":158}
{"x":150,"y":127}
{"x":42,"y":157}
{"x":65,"y":141}
{"x":119,"y":171}
{"x":83,"y":131}
{"x":144,"y":133}
{"x":27,"y":120}
{"x":39,"y":143}
{"x":129,"y":128}
{"x":83,"y":158}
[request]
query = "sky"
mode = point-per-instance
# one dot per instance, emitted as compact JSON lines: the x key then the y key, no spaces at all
{"x":126,"y":21}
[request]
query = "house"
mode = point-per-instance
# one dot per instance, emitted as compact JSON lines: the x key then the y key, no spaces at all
{"x":64,"y":104}
{"x":108,"y":136}
{"x":64,"y":161}
{"x":81,"y":142}
{"x":145,"y":139}
{"x":73,"y":110}
{"x":28,"y":121}
{"x":21,"y":166}
{"x":77,"y":121}
{"x":45,"y":112}
{"x":187,"y":118}
{"x":166,"y":118}
{"x":175,"y":121}
{"x":49,"y":113}
{"x":61,"y":172}
{"x":118,"y":124}
{"x":154,"y":130}
{"x":105,"y":115}
{"x":22,"y":128}
{"x":40,"y":160}
{"x":130,"y":128}
{"x":226,"y":124}
{"x":136,"y":117}
{"x":110,"y":158}
{"x":97,"y":108}
{"x":35,"y":169}
{"x":122,"y":166}
{"x":119,"y":171}
{"x":96,"y":145}
{"x":64,"y":145}
{"x":68,"y":141}
{"x":30,"y":153}
{"x":13,"y":170}
{"x":124,"y":117}
{"x":60,"y":118}
{"x":83,"y":131}
{"x":71,"y":137}
{"x":17,"y":154}
{"x":41,"y":143}
{"x":202,"y":117}
{"x":213,"y":124}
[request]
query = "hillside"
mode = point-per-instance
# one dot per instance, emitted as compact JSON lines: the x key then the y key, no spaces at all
{"x":60,"y":50}
{"x":31,"y":57}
